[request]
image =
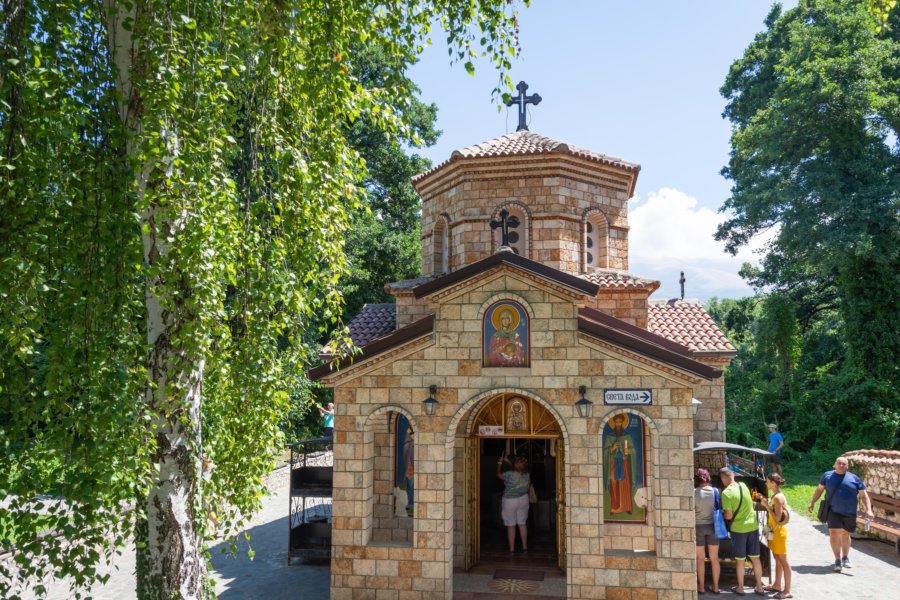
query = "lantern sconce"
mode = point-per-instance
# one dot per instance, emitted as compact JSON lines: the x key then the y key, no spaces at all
{"x":584,"y":406}
{"x":430,"y":403}
{"x":695,"y":406}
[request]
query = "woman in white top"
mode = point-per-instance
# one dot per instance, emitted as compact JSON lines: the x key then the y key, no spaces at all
{"x":514,"y":505}
{"x":704,"y":503}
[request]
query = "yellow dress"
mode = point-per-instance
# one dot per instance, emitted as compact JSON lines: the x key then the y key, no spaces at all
{"x":778,"y":543}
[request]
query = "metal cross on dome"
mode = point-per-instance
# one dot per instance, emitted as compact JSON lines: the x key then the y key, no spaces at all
{"x":505,"y":222}
{"x":522,"y":100}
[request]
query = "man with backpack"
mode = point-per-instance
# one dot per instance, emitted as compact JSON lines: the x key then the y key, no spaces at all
{"x":840,"y":512}
{"x":737,"y":507}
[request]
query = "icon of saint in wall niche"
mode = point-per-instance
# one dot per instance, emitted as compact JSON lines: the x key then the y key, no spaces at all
{"x":506,"y":335}
{"x":517,"y":419}
{"x":405,"y":462}
{"x":623,"y":466}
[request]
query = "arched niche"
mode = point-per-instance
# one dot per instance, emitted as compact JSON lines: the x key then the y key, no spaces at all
{"x":595,"y":244}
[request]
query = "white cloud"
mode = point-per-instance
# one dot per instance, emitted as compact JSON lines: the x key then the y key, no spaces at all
{"x":670,"y":232}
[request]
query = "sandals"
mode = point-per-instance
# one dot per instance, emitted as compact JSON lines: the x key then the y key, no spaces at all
{"x":782,"y":596}
{"x":771,"y":589}
{"x":735,"y":590}
{"x":712,"y":591}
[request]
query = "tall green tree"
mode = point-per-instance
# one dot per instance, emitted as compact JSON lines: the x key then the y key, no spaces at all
{"x":383,"y":238}
{"x":175,"y":186}
{"x":815,"y":108}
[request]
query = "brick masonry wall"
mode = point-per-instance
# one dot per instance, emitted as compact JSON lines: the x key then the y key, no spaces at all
{"x":387,"y":526}
{"x":557,"y":193}
{"x":600,"y":563}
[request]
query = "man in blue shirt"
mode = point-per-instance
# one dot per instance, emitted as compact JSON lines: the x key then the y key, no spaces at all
{"x":843,"y":489}
{"x":776,"y":442}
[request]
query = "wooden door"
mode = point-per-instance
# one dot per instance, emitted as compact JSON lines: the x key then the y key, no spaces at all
{"x":561,"y":503}
{"x":470,"y":503}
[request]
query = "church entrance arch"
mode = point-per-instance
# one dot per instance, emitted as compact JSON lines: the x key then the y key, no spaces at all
{"x":510,"y":424}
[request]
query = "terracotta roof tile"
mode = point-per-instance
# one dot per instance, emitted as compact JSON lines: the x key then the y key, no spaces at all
{"x":370,"y":323}
{"x":619,"y":280}
{"x":685,"y":322}
{"x":528,"y":143}
{"x":874,"y":457}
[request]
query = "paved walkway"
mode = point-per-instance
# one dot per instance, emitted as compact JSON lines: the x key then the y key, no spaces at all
{"x":875,"y":574}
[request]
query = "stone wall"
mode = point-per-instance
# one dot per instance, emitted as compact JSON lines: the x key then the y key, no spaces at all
{"x":557,"y":193}
{"x":628,"y":305}
{"x":709,"y":422}
{"x":655,"y":560}
{"x":880,"y":471}
{"x":389,"y":524}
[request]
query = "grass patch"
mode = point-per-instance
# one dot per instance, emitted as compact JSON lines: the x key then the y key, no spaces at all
{"x":802,"y":479}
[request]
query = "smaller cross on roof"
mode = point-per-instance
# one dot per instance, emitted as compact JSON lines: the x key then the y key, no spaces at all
{"x":505,"y":223}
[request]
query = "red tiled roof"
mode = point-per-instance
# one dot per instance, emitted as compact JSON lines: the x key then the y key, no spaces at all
{"x":685,"y":322}
{"x":416,"y":329}
{"x":373,"y":321}
{"x":619,"y":280}
{"x":600,"y":325}
{"x":874,"y":457}
{"x":528,"y":143}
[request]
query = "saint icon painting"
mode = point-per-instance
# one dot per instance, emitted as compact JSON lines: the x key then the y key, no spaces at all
{"x":623,"y":468}
{"x":517,"y":415}
{"x":505,"y":334}
{"x":404,"y":444}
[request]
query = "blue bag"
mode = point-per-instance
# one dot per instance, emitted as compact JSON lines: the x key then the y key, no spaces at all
{"x":719,"y":518}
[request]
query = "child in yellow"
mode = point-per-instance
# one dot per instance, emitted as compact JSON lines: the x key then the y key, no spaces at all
{"x":778,"y":518}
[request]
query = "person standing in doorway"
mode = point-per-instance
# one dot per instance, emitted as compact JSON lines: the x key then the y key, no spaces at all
{"x":737,"y":507}
{"x":844,"y":489}
{"x":776,"y":443}
{"x":704,"y":504}
{"x":514,"y":504}
{"x":327,"y":415}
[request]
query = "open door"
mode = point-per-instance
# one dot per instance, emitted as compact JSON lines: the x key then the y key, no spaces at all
{"x":470,"y":503}
{"x":561,"y":503}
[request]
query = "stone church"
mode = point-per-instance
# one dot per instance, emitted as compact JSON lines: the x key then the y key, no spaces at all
{"x":525,"y":336}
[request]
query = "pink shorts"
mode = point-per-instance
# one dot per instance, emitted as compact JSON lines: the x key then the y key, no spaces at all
{"x":514,"y":510}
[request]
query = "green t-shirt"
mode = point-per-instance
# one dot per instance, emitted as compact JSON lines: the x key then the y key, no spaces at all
{"x":745,"y":519}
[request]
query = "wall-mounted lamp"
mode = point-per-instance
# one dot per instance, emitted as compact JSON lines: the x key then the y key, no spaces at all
{"x":695,"y":405}
{"x":584,"y":406}
{"x":430,"y":403}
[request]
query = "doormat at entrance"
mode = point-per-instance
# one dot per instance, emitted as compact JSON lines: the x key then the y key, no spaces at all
{"x":519,"y":574}
{"x":511,"y":586}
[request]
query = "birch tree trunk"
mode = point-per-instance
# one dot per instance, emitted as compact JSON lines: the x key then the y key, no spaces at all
{"x":171,"y":563}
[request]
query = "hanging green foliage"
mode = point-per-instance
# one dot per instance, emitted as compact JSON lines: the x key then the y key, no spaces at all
{"x":175,"y":188}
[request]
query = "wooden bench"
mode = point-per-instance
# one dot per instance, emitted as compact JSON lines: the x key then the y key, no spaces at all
{"x":882,"y":524}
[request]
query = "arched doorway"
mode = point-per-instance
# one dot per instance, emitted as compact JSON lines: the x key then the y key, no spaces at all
{"x":513,"y":424}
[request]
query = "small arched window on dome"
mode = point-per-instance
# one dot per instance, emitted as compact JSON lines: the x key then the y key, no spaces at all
{"x":440,"y":237}
{"x":518,"y":236}
{"x":596,"y":240}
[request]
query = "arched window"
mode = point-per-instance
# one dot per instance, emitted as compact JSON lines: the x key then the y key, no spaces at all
{"x":518,"y":236}
{"x":441,"y":250}
{"x":596,"y":235}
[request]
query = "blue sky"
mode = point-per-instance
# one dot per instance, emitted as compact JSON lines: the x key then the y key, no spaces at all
{"x":639,"y":80}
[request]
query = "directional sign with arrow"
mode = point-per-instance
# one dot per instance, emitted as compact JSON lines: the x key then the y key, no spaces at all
{"x":642,"y":397}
